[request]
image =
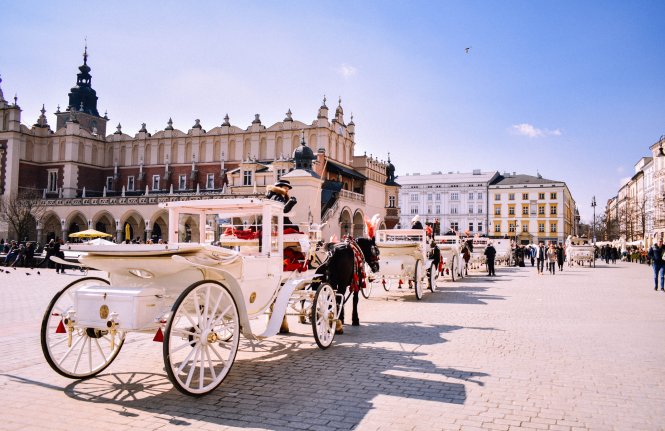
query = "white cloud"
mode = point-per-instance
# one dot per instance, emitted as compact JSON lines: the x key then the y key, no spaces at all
{"x":346,"y":70}
{"x":525,"y":129}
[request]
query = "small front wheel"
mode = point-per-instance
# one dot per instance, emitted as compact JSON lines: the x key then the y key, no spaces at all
{"x":201,"y":338}
{"x":367,"y":290}
{"x":418,"y":280}
{"x":324,"y":315}
{"x":71,"y":350}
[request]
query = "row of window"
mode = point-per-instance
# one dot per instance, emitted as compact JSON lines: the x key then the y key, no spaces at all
{"x":454,"y":196}
{"x":453,"y":209}
{"x":525,"y":196}
{"x":52,"y":185}
{"x":525,"y":210}
{"x":525,"y":227}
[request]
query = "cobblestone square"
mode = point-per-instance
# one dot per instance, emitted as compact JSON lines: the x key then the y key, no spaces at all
{"x":583,"y":349}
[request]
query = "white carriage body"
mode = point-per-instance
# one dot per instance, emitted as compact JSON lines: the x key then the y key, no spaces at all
{"x":579,"y":250}
{"x":203,"y":296}
{"x":478,"y":253}
{"x":250,"y":268}
{"x":451,"y":252}
{"x":400,"y":249}
{"x":504,"y":250}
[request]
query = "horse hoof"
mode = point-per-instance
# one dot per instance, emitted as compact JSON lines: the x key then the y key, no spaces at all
{"x":339,"y":328}
{"x":355,"y":323}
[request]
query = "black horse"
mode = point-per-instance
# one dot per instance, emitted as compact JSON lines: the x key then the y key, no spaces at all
{"x":340,"y":268}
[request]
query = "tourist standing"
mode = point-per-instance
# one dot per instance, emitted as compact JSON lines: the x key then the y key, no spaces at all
{"x":656,"y":256}
{"x":490,"y":254}
{"x":559,"y":256}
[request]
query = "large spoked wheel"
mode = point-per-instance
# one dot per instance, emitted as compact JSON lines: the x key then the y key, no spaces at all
{"x":73,"y":351}
{"x":418,"y":280}
{"x":201,"y":338}
{"x":324,"y":315}
{"x":431,"y":278}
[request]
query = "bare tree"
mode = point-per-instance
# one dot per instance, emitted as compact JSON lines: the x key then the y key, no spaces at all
{"x":22,"y":212}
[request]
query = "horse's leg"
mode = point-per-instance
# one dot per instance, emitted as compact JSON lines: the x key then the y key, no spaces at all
{"x":355,"y":321}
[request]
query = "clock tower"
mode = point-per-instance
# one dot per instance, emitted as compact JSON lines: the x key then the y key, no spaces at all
{"x":82,"y":107}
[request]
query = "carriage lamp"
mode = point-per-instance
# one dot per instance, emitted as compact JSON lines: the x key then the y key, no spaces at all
{"x":112,"y":324}
{"x":69,"y":323}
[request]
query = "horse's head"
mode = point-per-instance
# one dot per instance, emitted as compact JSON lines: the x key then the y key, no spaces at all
{"x":370,"y":251}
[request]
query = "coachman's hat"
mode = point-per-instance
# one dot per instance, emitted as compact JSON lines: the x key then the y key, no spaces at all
{"x":283,"y":183}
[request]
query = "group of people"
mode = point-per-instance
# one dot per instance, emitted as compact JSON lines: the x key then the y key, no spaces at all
{"x":25,"y":254}
{"x":609,"y":252}
{"x":16,"y":254}
{"x":554,"y":255}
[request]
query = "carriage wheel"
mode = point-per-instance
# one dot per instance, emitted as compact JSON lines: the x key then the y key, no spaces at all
{"x":418,"y":279}
{"x":201,"y":338}
{"x":324,"y":315}
{"x":431,"y":278}
{"x":73,"y":351}
{"x":453,"y":268}
{"x":367,"y":290}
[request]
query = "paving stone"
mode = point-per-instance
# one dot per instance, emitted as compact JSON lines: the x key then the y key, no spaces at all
{"x":582,"y":350}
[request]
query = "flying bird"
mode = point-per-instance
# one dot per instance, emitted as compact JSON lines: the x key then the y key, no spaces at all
{"x":467,"y":49}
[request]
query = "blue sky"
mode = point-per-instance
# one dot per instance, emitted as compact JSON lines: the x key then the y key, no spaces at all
{"x":574,"y":90}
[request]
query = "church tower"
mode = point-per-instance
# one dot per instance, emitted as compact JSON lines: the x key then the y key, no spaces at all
{"x":82,"y":107}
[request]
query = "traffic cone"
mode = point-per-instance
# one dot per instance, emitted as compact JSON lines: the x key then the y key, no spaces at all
{"x":159,"y":336}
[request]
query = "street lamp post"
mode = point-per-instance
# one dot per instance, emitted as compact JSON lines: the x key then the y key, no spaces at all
{"x":593,"y":205}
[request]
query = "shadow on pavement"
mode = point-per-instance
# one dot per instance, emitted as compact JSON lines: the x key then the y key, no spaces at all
{"x":293,"y":385}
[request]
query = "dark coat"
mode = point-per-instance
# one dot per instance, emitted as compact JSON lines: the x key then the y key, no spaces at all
{"x":490,"y":252}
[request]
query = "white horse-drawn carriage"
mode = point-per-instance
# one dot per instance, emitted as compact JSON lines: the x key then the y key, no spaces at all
{"x":405,"y":260}
{"x":504,"y":252}
{"x":451,"y":256}
{"x":579,"y":250}
{"x":479,"y":244}
{"x":198,"y":297}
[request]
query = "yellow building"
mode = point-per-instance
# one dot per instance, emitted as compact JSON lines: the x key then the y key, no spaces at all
{"x":530,"y":209}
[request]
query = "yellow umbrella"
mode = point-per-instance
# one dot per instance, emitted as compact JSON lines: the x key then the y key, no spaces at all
{"x":90,"y":233}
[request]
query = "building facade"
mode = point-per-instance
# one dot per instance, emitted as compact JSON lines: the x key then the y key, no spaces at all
{"x":530,"y":209}
{"x":456,"y":201}
{"x":114,"y":183}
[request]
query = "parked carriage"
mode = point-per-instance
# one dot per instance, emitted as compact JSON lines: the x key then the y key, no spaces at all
{"x":479,"y":244}
{"x":405,"y":261}
{"x":452,"y":262}
{"x":199,"y":297}
{"x":505,"y":253}
{"x":579,"y":250}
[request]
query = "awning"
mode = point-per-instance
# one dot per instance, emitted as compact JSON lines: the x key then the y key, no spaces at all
{"x":339,"y":169}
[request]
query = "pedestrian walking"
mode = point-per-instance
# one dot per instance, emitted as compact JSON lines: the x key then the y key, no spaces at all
{"x":551,"y":258}
{"x":540,"y":257}
{"x":656,"y":256}
{"x":532,"y":255}
{"x":490,"y":254}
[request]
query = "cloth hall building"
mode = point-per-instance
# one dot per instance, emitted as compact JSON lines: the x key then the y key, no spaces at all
{"x":114,"y":182}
